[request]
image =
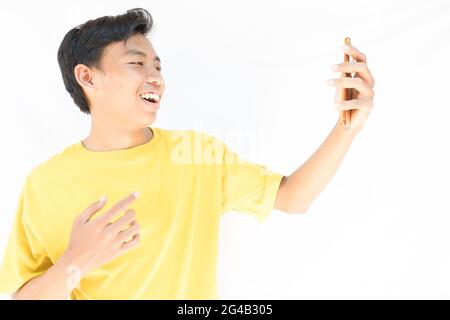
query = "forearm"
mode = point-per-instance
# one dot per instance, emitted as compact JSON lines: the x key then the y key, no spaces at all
{"x":55,"y":284}
{"x":308,"y":181}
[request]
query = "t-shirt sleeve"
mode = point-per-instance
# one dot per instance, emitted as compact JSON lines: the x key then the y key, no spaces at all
{"x":247,"y":187}
{"x":24,"y":257}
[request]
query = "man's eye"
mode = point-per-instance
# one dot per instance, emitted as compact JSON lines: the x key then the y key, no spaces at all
{"x":141,"y":63}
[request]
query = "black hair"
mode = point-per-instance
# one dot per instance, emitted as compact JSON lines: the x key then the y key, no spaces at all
{"x":85,"y":44}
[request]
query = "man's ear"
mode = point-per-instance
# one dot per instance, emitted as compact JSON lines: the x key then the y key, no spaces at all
{"x":84,"y":76}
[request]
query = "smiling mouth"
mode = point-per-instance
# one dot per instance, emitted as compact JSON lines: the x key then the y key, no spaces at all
{"x":153,"y":105}
{"x":150,"y":100}
{"x":152,"y":97}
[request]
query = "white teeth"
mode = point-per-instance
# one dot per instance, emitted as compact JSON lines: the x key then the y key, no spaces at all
{"x":154,"y":96}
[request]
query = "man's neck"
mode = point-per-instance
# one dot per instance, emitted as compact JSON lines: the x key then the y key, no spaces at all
{"x":110,"y":140}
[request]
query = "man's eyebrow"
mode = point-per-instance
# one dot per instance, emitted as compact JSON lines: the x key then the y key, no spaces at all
{"x":140,"y":53}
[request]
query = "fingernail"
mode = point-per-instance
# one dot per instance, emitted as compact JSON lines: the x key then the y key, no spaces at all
{"x":102,"y":198}
{"x":136,"y":194}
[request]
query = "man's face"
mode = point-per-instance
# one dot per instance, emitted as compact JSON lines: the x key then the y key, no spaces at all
{"x":128,"y":71}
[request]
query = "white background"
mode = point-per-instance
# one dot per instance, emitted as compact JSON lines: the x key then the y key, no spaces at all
{"x":257,"y":71}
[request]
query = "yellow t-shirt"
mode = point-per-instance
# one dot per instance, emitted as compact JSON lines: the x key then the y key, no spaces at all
{"x":186,"y":179}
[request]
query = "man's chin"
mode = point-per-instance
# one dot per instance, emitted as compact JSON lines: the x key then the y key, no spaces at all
{"x":145,"y":114}
{"x":147,"y":119}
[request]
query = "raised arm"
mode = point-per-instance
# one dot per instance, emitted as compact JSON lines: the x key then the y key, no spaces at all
{"x":298,"y":190}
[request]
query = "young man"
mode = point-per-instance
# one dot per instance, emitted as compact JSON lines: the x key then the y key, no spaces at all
{"x":64,"y":243}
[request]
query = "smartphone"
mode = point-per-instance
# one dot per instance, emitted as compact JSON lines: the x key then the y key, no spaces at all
{"x":345,"y":115}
